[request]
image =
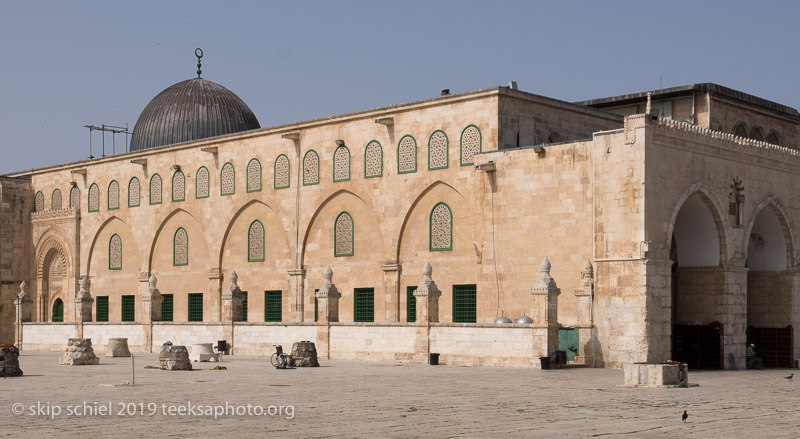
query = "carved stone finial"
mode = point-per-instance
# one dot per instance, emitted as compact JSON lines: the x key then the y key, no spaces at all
{"x":649,"y":107}
{"x":328,"y":274}
{"x":234,"y":277}
{"x":546,"y":265}
{"x":427,"y":270}
{"x":84,"y":283}
{"x":588,"y":268}
{"x":23,"y":290}
{"x":152,"y":281}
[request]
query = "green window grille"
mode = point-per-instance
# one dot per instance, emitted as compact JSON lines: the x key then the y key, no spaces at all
{"x":364,"y":304}
{"x":101,"y":310}
{"x":273,"y":306}
{"x":464,"y":303}
{"x":316,"y":306}
{"x":58,"y":311}
{"x":129,"y":308}
{"x":244,"y":307}
{"x":411,"y":305}
{"x":196,"y":307}
{"x":166,"y":308}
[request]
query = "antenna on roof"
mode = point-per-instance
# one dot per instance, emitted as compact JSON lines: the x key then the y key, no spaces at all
{"x":114,"y":130}
{"x":199,"y":54}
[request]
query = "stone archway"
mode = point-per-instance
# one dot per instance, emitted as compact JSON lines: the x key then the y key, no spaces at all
{"x":52,"y":279}
{"x":698,"y":284}
{"x":770,"y":284}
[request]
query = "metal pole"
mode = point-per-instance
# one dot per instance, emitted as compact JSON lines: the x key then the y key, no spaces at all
{"x":133,"y":372}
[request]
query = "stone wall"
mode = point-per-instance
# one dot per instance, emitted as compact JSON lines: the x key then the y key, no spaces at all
{"x":259,"y":338}
{"x":373,"y":342}
{"x":16,"y":202}
{"x":101,"y":332}
{"x":488,"y":345}
{"x":701,"y":298}
{"x":47,"y":336}
{"x":769,"y":299}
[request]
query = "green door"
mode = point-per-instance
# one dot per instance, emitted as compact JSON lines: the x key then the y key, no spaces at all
{"x":58,"y":311}
{"x":568,"y":341}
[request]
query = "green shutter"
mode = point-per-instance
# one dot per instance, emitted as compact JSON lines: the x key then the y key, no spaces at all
{"x":244,"y":307}
{"x":58,"y":311}
{"x":273,"y":306}
{"x":411,"y":305}
{"x":101,"y":310}
{"x":464,"y":303}
{"x":129,"y":308}
{"x":364,"y":304}
{"x":196,"y":307}
{"x":166,"y":308}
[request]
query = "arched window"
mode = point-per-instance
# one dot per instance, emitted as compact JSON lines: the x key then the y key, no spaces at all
{"x":774,"y":138}
{"x":115,"y":253}
{"x":757,"y":133}
{"x":437,"y":150}
{"x":180,"y":248}
{"x":38,"y":202}
{"x":341,"y":164}
{"x":113,"y":195}
{"x":227,"y":178}
{"x":134,"y":192}
{"x":155,"y":189}
{"x":201,"y":184}
{"x":75,"y":198}
{"x":310,"y":168}
{"x":441,"y":228}
{"x":407,"y":155}
{"x":178,"y":186}
{"x":58,"y":311}
{"x":254,"y":176}
{"x":343,"y":235}
{"x":740,"y":130}
{"x":282,"y":172}
{"x":373,"y":160}
{"x":554,"y":137}
{"x":94,"y":198}
{"x":471,"y":144}
{"x":55,"y":200}
{"x":255,"y":242}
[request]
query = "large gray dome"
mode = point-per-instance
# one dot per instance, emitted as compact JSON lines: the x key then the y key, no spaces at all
{"x":191,"y":110}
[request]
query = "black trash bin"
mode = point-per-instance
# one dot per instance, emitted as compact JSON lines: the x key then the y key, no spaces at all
{"x":545,"y":362}
{"x":434,"y":360}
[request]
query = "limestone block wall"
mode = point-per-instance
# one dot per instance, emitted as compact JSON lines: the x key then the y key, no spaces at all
{"x":16,"y":202}
{"x":374,"y":342}
{"x":769,"y":299}
{"x":259,"y":338}
{"x":527,"y":119}
{"x":486,"y":345}
{"x":186,"y":334}
{"x":726,"y":114}
{"x":47,"y":336}
{"x":101,"y":332}
{"x":700,"y":298}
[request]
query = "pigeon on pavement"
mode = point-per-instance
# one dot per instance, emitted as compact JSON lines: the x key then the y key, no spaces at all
{"x":685,"y":415}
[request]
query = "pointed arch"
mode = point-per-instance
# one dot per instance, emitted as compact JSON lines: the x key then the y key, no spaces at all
{"x":341,"y":164}
{"x":757,"y":133}
{"x":227,"y":179}
{"x":774,"y":138}
{"x":740,"y":130}
{"x":180,"y":248}
{"x":55,"y":200}
{"x":38,"y":202}
{"x":282,"y":175}
{"x":58,"y":311}
{"x":75,"y":198}
{"x":201,"y":183}
{"x":440,"y":228}
{"x":115,"y":252}
{"x":253,"y":175}
{"x":407,"y":155}
{"x":112,"y":200}
{"x":163,"y":221}
{"x":310,"y":168}
{"x":134,"y":192}
{"x":706,"y":194}
{"x":255,"y":242}
{"x":178,"y":186}
{"x":414,"y":205}
{"x":94,"y":198}
{"x":155,"y":189}
{"x":343,"y":234}
{"x":373,"y":159}
{"x":438,"y":150}
{"x":787,"y":225}
{"x":470,"y":144}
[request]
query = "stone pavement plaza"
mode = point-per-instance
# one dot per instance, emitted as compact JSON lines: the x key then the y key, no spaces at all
{"x":366,"y":399}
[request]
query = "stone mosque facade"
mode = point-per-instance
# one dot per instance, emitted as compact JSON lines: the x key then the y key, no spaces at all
{"x":636,"y":228}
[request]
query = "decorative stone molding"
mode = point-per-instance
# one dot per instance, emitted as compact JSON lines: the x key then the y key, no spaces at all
{"x":584,"y":295}
{"x":427,"y":296}
{"x":50,"y":215}
{"x":296,"y":272}
{"x":544,"y":311}
{"x":23,"y":304}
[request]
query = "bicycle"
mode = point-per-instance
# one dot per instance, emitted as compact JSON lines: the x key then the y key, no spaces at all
{"x":279,"y":359}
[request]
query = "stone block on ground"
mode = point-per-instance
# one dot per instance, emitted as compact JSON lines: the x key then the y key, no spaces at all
{"x":10,"y":365}
{"x":655,"y":375}
{"x":117,"y":347}
{"x":79,"y":353}
{"x":304,"y":354}
{"x":203,"y":352}
{"x":174,"y":358}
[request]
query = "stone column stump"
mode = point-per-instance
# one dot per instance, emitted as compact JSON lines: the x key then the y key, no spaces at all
{"x":117,"y":347}
{"x":79,"y":352}
{"x":203,"y":352}
{"x":10,"y":365}
{"x":304,"y":354}
{"x":174,"y":358}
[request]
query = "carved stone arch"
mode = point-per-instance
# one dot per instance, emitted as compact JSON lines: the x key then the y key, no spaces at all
{"x":235,"y":216}
{"x":162,"y":222}
{"x":51,"y":254}
{"x":321,"y":203}
{"x":715,"y":206}
{"x":413,"y":206}
{"x":787,"y":224}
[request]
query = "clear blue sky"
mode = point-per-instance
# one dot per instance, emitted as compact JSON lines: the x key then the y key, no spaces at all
{"x":67,"y":64}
